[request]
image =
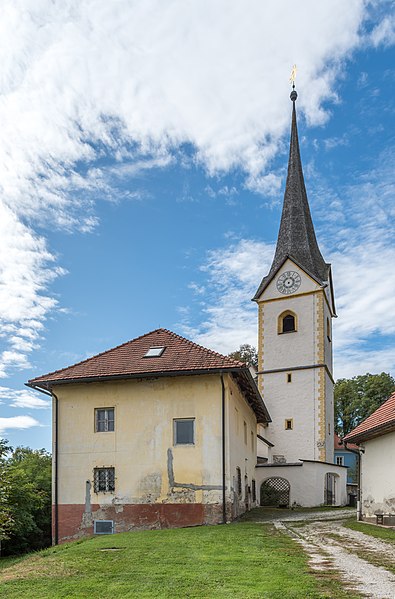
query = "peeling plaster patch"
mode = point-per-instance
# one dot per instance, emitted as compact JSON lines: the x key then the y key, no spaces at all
{"x":172,"y":483}
{"x":150,"y":487}
{"x":181,"y":496}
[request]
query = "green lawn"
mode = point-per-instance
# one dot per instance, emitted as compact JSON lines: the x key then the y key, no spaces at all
{"x":386,"y":534}
{"x":237,"y":560}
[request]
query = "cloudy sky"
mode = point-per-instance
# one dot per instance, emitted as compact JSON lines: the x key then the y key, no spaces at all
{"x":143,"y":151}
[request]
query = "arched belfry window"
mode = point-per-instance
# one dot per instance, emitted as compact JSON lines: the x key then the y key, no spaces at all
{"x":287,"y":322}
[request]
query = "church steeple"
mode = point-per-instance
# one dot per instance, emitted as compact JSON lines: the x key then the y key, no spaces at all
{"x":296,"y":238}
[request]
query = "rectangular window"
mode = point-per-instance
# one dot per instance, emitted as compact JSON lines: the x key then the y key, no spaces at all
{"x":339,"y":460}
{"x":238,"y":481}
{"x":103,"y":527}
{"x":245,"y":432}
{"x":104,"y":420}
{"x":289,"y":377}
{"x":289,"y":424}
{"x":253,"y":490}
{"x":184,"y":431}
{"x":104,"y":480}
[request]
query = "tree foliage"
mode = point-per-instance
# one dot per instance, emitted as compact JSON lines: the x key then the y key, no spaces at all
{"x":247,"y":354}
{"x":358,"y":397}
{"x":6,"y":520}
{"x":28,"y":500}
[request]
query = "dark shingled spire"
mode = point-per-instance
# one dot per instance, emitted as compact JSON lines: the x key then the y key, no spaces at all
{"x":296,"y":238}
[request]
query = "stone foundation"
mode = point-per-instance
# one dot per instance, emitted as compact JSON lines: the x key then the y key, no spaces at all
{"x":74,"y":522}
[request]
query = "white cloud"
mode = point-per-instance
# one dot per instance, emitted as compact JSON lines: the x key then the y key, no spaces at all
{"x":17,"y":422}
{"x":384,"y":32}
{"x":23,"y":398}
{"x":83,"y":83}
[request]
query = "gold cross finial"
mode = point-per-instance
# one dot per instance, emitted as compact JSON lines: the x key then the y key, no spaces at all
{"x":293,"y":76}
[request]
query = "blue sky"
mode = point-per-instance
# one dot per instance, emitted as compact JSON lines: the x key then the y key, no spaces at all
{"x":143,"y":153}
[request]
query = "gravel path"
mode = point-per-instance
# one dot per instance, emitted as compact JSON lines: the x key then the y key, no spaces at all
{"x":330,"y":545}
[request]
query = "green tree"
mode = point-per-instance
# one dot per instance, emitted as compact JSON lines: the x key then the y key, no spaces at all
{"x":358,"y":397}
{"x":6,"y":519}
{"x":247,"y":354}
{"x":29,"y":475}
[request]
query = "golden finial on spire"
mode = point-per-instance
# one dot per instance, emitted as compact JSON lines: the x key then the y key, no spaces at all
{"x":293,"y":76}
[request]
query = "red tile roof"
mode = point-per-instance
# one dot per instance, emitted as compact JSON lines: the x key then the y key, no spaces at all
{"x":378,"y":423}
{"x":180,"y":356}
{"x":339,"y":445}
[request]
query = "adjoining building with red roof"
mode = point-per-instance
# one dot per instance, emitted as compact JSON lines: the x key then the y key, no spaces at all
{"x":156,"y":432}
{"x":375,"y":438}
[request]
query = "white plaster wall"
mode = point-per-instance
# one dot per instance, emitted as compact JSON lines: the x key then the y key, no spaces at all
{"x":296,"y":401}
{"x":289,"y":349}
{"x":307,"y":481}
{"x":378,"y":476}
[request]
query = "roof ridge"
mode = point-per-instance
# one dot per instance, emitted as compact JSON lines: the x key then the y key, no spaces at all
{"x":206,"y":349}
{"x":230,"y":361}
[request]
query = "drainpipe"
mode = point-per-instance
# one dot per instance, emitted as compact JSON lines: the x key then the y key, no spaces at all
{"x":56,"y":470}
{"x":359,"y":495}
{"x":223,"y":453}
{"x":54,"y":457}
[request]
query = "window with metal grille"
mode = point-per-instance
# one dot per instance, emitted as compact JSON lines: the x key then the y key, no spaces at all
{"x":104,"y":480}
{"x":104,"y":420}
{"x":238,"y":481}
{"x":253,"y":490}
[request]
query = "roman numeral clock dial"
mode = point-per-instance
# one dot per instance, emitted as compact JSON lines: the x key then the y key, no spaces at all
{"x":288,"y":282}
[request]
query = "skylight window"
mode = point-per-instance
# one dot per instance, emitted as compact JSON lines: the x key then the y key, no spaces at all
{"x":154,"y":352}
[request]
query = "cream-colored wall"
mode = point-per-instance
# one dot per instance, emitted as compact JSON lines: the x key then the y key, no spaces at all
{"x":377,"y":476}
{"x":137,"y":449}
{"x":240,"y":453}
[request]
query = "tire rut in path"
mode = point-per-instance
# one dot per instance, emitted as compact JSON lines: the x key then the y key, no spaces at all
{"x":335,"y":552}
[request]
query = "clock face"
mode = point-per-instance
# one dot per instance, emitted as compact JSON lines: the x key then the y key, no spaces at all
{"x":288,"y":282}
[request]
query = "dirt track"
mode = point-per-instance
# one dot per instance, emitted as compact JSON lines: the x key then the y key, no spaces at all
{"x":361,"y":560}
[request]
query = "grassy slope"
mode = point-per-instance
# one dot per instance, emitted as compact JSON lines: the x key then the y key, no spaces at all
{"x":239,"y":560}
{"x":386,"y":534}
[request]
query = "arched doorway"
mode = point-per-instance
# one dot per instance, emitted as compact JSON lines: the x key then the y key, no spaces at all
{"x":330,"y":489}
{"x":275,"y":492}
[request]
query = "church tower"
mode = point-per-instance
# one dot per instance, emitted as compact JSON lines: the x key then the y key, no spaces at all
{"x":296,"y":306}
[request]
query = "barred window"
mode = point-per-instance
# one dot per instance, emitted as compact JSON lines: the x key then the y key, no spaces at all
{"x":104,"y":420}
{"x":104,"y":480}
{"x":238,"y":481}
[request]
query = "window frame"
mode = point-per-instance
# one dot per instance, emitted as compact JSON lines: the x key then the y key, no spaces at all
{"x":280,"y":322}
{"x":175,"y":442}
{"x":291,"y":421}
{"x":106,"y":420}
{"x":239,"y":488}
{"x":339,"y":460}
{"x":109,"y":482}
